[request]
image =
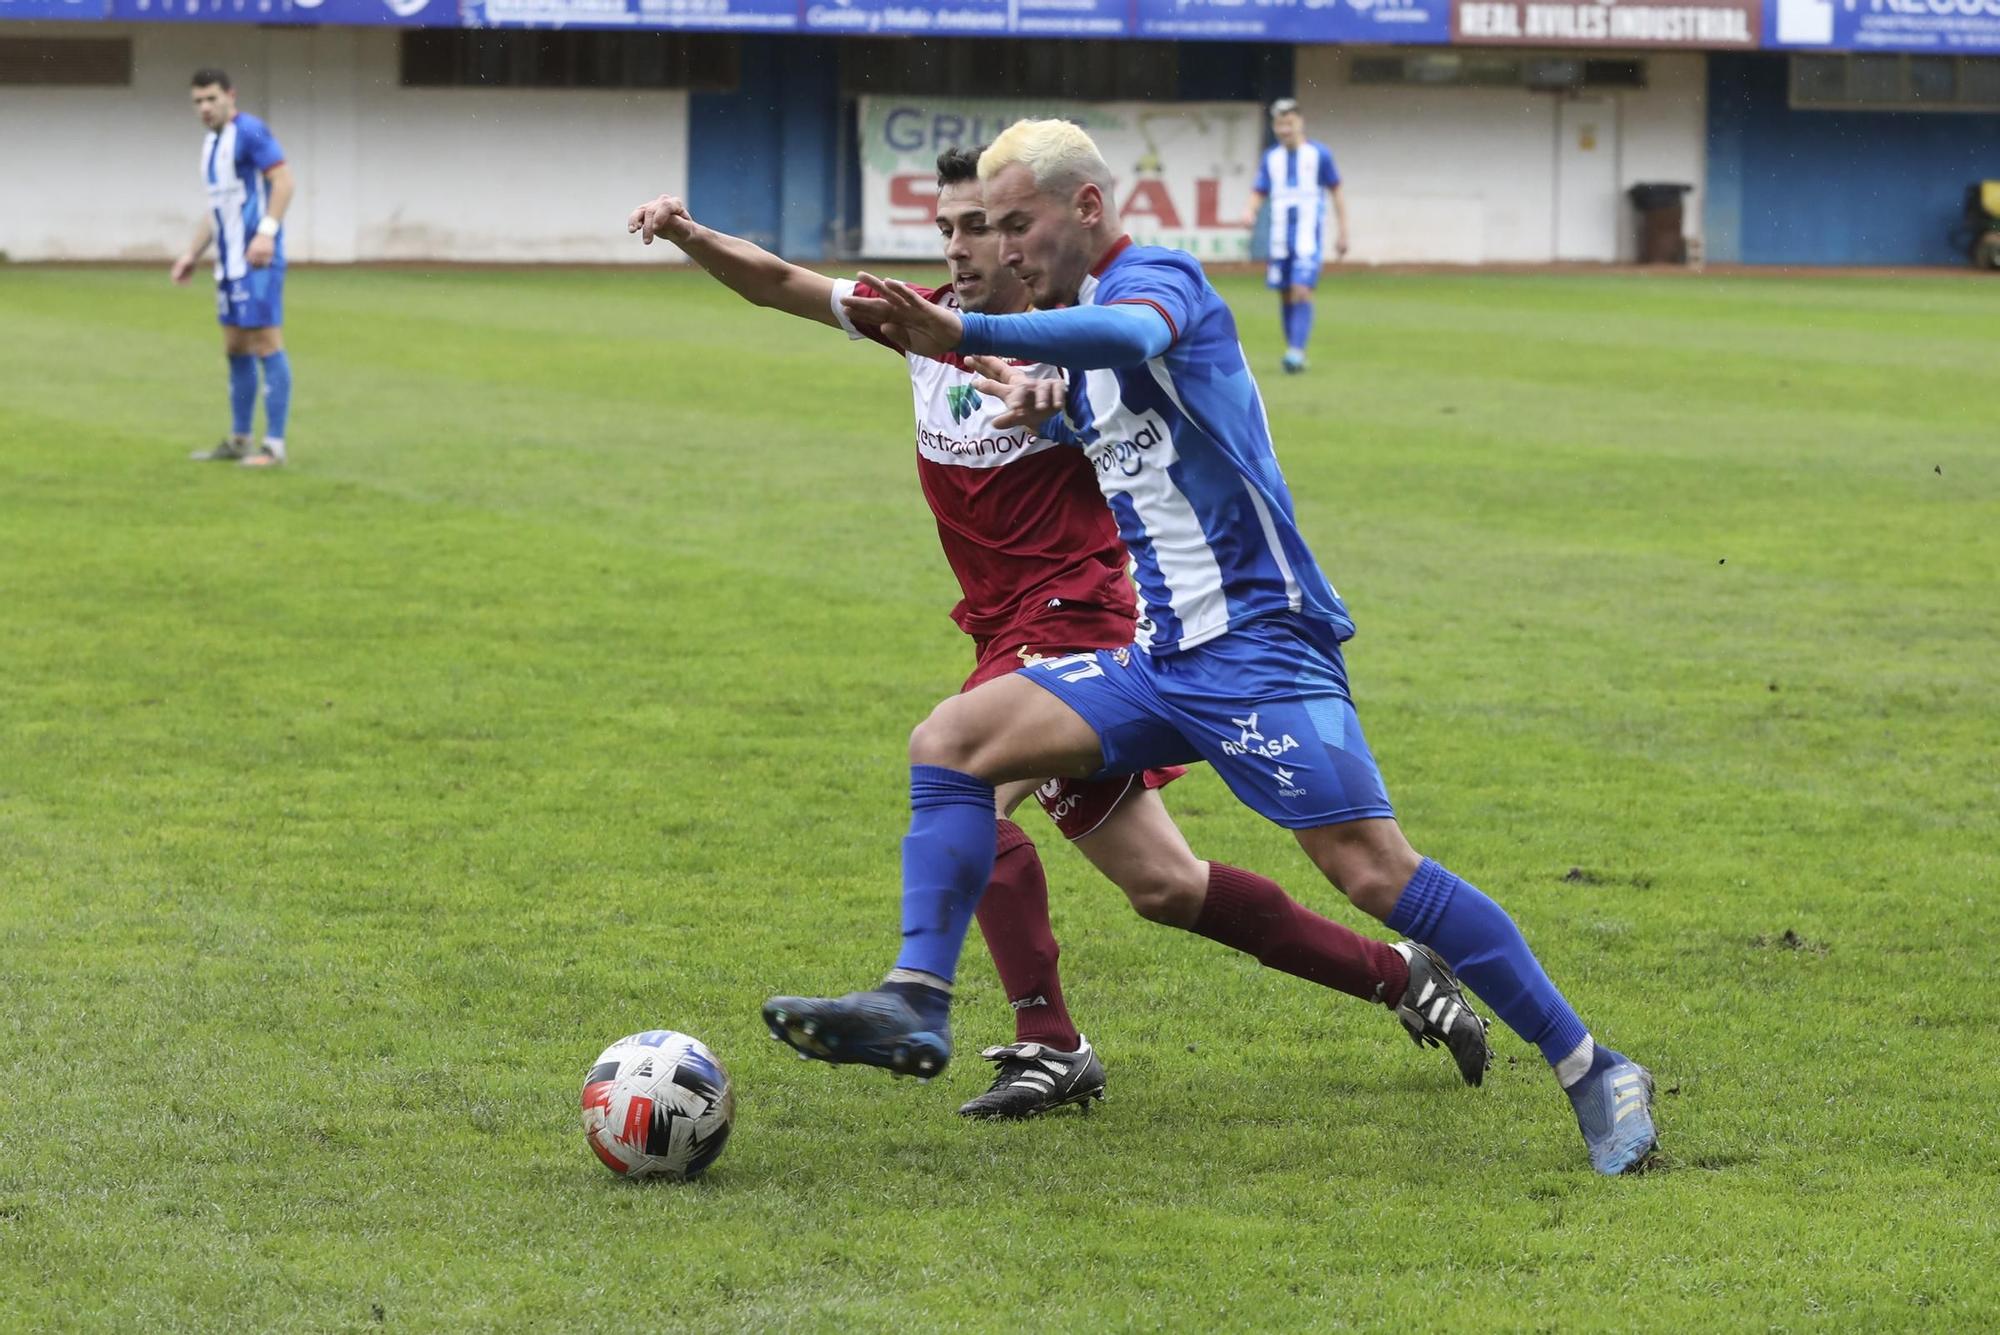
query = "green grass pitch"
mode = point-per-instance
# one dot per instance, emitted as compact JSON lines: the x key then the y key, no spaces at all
{"x":559,"y":690}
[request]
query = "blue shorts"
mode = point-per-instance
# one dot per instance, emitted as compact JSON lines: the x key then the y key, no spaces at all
{"x":254,"y":301}
{"x":1298,"y":271}
{"x":1266,"y":704}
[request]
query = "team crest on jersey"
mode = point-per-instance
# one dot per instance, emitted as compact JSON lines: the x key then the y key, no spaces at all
{"x":1250,"y":742}
{"x":963,"y":401}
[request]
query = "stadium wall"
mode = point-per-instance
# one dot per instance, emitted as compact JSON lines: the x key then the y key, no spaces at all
{"x":1467,"y":175}
{"x":1791,"y":186}
{"x":766,"y":159}
{"x":385,"y":172}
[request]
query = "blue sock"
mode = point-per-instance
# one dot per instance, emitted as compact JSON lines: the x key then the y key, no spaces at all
{"x":1288,"y":317}
{"x":1302,"y":324}
{"x":947,"y":860}
{"x":277,"y":394}
{"x":242,"y":392}
{"x":1484,"y":947}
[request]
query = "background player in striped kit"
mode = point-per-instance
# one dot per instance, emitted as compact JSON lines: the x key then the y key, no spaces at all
{"x":1296,"y":177}
{"x":1039,"y":560}
{"x":249,"y":187}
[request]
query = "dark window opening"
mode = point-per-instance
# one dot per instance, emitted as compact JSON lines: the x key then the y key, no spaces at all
{"x":66,"y":62}
{"x":493,"y":58}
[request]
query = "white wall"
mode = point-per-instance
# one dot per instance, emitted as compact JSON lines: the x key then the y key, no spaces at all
{"x":385,"y":172}
{"x":1467,"y":175}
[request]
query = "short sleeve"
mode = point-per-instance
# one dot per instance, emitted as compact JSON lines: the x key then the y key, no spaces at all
{"x":1263,"y":186}
{"x":847,"y":287}
{"x":256,"y":145}
{"x":1174,"y":291}
{"x":1329,"y":176}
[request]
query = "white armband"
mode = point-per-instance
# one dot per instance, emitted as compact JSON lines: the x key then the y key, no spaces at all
{"x":842,"y":289}
{"x":267,"y":226}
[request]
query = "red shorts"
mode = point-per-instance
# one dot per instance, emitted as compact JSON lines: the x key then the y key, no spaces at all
{"x":1077,"y":806}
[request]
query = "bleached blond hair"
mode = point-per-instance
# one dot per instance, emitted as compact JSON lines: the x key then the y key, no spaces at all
{"x":1057,"y":153}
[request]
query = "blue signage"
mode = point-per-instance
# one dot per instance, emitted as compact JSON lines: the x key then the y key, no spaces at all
{"x":1071,"y":18}
{"x":942,"y":18}
{"x":951,"y":18}
{"x":693,"y":15}
{"x":343,"y":13}
{"x":1941,"y":26}
{"x":74,"y":10}
{"x":1405,"y":21}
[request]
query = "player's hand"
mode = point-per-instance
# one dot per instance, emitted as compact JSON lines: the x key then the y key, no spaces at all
{"x":1029,"y":402}
{"x":1340,"y":246}
{"x":924,"y":327}
{"x":183,"y":267}
{"x":665,"y":216}
{"x":259,"y":253}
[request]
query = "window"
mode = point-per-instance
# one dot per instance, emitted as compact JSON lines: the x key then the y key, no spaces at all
{"x":503,"y":58}
{"x":66,"y":62}
{"x":1979,"y":82}
{"x":1480,"y":69}
{"x":998,"y":67}
{"x":1895,"y":83}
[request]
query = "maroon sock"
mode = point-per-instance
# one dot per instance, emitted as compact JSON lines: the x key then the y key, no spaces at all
{"x":1014,"y":919}
{"x":1257,"y":917}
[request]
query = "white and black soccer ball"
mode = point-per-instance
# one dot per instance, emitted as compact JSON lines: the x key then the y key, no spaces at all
{"x":657,"y":1104}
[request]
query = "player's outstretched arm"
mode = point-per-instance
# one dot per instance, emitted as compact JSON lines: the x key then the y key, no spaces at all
{"x":1080,"y":338}
{"x":750,"y":271}
{"x":905,"y":315}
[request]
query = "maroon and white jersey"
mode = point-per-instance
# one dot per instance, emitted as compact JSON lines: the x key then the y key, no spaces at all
{"x":1021,"y":519}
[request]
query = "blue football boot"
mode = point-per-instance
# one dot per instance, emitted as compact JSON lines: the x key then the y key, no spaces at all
{"x":879,"y":1028}
{"x":1614,"y":1107}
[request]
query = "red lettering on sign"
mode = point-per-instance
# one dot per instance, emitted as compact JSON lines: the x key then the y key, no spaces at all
{"x":913,"y":199}
{"x":1208,"y":205}
{"x":1150,"y":199}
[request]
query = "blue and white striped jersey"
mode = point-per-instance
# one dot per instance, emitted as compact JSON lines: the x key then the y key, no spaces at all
{"x":1183,"y":453}
{"x":233,"y":162}
{"x":1296,"y":180}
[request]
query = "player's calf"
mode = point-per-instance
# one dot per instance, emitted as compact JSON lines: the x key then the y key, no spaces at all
{"x":1369,"y":861}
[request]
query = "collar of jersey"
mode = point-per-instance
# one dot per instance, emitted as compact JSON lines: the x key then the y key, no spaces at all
{"x":1118,"y":247}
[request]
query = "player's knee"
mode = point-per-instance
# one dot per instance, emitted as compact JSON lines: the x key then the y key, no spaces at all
{"x":1162,"y":894}
{"x":1374,"y":891}
{"x":1370,"y":871}
{"x":943,"y":739}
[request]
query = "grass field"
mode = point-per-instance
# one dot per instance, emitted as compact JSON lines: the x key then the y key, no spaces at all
{"x":559,"y":690}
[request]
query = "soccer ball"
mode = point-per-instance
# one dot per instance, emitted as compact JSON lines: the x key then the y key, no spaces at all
{"x":657,"y":1104}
